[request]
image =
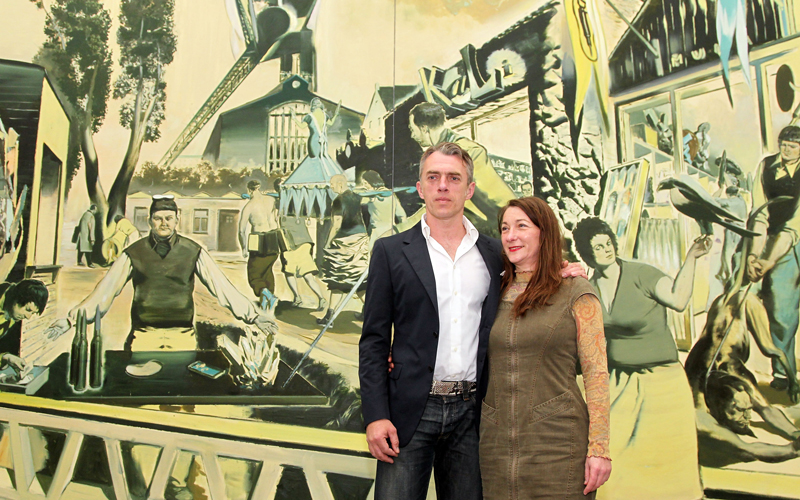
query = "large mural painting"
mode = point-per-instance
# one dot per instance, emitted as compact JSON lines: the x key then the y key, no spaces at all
{"x":190,"y":193}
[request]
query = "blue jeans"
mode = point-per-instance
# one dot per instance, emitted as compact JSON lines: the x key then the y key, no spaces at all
{"x":781,"y":296}
{"x":446,"y":440}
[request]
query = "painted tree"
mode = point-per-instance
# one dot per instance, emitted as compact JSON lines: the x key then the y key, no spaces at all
{"x":77,"y":55}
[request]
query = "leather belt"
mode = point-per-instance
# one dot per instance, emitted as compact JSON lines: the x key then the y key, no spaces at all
{"x":448,"y":388}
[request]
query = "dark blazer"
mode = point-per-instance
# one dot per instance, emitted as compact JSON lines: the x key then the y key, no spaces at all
{"x":401,"y":293}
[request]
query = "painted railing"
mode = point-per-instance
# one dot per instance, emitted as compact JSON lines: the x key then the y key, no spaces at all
{"x":318,"y":453}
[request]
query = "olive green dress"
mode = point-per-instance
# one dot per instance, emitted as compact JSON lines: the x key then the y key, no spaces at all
{"x":534,"y":420}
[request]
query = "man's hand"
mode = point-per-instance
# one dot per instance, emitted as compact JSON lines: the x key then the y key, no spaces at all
{"x":597,"y":473}
{"x":266,"y":323}
{"x":382,"y":440}
{"x":245,"y":253}
{"x":391,"y":364}
{"x":15,"y":362}
{"x":58,"y":328}
{"x":572,"y":269}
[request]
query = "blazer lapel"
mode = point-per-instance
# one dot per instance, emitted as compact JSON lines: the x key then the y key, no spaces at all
{"x":495,"y":267}
{"x":416,"y":251}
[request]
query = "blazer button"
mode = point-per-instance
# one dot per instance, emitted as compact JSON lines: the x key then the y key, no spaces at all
{"x":430,"y":368}
{"x":436,"y":334}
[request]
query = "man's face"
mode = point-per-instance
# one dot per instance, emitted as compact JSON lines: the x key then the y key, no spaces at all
{"x":527,"y":189}
{"x":163,"y":223}
{"x":738,"y":413}
{"x":444,"y":186}
{"x":419,"y":134}
{"x":20,"y":312}
{"x":790,"y":151}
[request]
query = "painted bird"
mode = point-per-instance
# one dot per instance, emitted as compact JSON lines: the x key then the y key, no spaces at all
{"x":690,"y":199}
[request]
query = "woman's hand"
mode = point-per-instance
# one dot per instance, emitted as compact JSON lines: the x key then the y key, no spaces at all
{"x":597,"y":472}
{"x":15,"y":362}
{"x":700,"y":247}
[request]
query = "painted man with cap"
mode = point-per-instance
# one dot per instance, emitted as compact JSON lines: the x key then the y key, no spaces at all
{"x":163,"y":267}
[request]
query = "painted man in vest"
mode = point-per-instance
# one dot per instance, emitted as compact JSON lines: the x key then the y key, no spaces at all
{"x":163,"y":267}
{"x":426,"y":123}
{"x":775,"y":255}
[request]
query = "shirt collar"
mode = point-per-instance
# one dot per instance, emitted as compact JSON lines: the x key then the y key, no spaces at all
{"x":472,"y":233}
{"x":778,"y":163}
{"x":170,"y":241}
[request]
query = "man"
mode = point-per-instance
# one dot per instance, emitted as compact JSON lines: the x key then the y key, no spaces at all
{"x":124,"y":233}
{"x":426,"y":123}
{"x":383,"y":207}
{"x":727,"y":417}
{"x":431,"y":299}
{"x":346,"y":249}
{"x":263,"y":247}
{"x":297,"y":259}
{"x":775,"y":254}
{"x":86,"y":236}
{"x":163,"y":267}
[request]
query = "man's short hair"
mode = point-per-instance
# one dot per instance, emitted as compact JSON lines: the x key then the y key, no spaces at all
{"x":276,"y":184}
{"x":25,"y":292}
{"x":253,"y":185}
{"x":373,"y":178}
{"x":118,"y":217}
{"x":426,"y":114}
{"x":93,"y":208}
{"x":449,"y":149}
{"x":583,"y":233}
{"x":789,"y":134}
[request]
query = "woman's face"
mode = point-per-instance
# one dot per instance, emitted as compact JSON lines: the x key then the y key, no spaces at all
{"x":520,"y":238}
{"x":603,"y":250}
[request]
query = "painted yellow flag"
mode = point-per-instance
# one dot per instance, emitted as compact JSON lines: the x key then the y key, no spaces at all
{"x":589,"y":56}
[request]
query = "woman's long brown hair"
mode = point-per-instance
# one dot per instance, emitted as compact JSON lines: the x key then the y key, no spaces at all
{"x":546,"y":278}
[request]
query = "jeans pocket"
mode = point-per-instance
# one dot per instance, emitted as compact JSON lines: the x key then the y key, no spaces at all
{"x":551,"y":407}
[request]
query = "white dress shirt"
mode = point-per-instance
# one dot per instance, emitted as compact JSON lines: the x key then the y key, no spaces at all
{"x":462,"y":284}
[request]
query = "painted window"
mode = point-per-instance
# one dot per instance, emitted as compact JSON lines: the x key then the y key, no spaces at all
{"x":140,"y":216}
{"x":200,"y":221}
{"x":286,"y":142}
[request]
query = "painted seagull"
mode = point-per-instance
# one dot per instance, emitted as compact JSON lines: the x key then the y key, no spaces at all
{"x":690,"y":199}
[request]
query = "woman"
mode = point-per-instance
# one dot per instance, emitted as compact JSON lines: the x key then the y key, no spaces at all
{"x":539,"y":439}
{"x":18,"y":302}
{"x":317,"y":122}
{"x":652,"y":412}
